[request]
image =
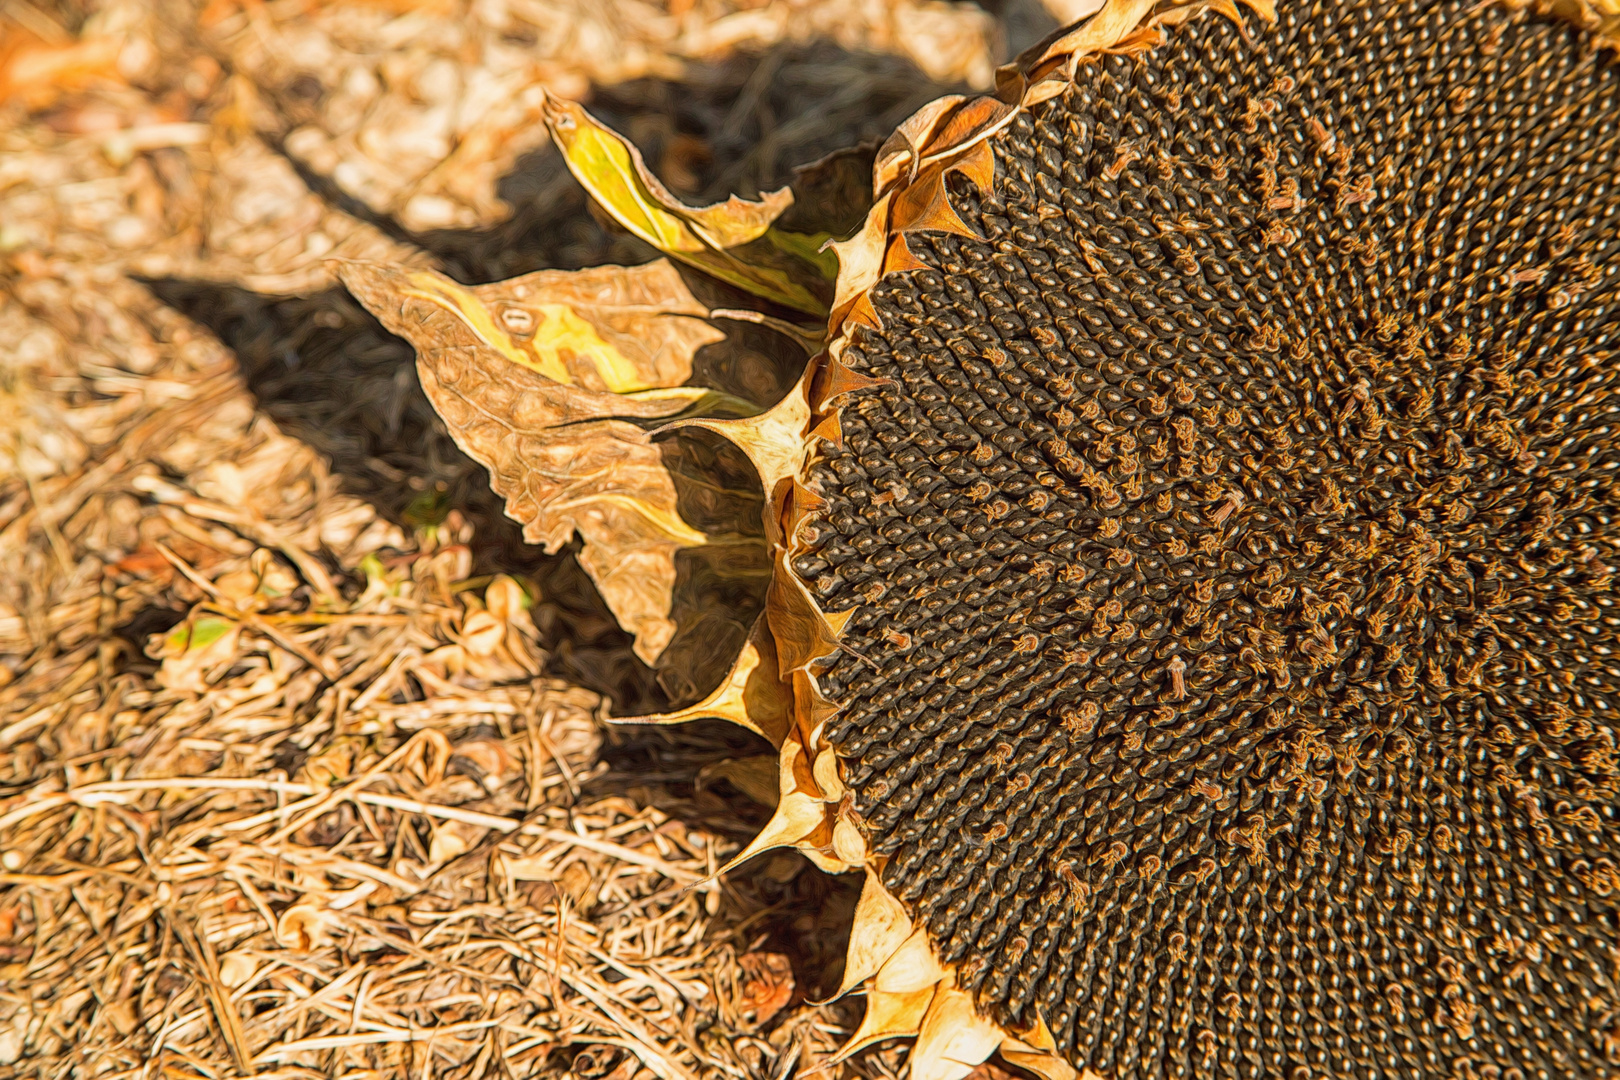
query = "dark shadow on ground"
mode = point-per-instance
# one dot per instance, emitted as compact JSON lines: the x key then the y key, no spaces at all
{"x":330,"y":375}
{"x":806,"y":914}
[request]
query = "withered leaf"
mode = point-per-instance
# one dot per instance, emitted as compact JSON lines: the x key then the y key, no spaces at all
{"x":732,"y":241}
{"x":767,"y":985}
{"x":542,"y":379}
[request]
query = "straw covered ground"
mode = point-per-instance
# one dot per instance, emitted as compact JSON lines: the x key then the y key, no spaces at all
{"x":303,"y":761}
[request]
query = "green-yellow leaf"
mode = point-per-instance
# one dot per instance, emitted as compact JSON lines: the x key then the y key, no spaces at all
{"x":720,"y":239}
{"x":192,"y":649}
{"x":198,"y":633}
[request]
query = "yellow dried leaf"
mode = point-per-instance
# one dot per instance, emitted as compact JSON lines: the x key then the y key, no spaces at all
{"x":582,"y":328}
{"x":542,"y":379}
{"x":751,"y":695}
{"x":911,"y":967}
{"x":888,"y":1016}
{"x":732,"y":241}
{"x":880,"y":927}
{"x":954,"y":1038}
{"x":1036,"y":1051}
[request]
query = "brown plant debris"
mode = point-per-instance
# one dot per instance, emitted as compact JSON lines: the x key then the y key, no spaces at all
{"x":339,"y":823}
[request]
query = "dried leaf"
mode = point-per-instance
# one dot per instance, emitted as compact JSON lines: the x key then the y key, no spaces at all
{"x":954,"y":1038}
{"x":912,"y":966}
{"x":541,"y":378}
{"x":732,"y":241}
{"x":888,"y":1016}
{"x":898,"y":156}
{"x":751,"y":695}
{"x":801,"y":631}
{"x":1036,"y":1051}
{"x":619,"y":329}
{"x":767,"y":985}
{"x":880,"y":928}
{"x":924,"y":206}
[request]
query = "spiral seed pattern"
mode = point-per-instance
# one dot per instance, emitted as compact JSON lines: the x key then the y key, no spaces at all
{"x":1234,"y":673}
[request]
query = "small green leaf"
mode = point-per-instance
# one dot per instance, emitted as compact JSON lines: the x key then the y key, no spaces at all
{"x":198,"y":633}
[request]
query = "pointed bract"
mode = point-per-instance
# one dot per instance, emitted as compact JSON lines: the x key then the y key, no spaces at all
{"x":912,"y":967}
{"x":800,"y":821}
{"x":752,"y":695}
{"x":860,"y":263}
{"x":837,"y":620}
{"x":774,"y":440}
{"x":803,"y":635}
{"x":1037,"y":1052}
{"x":825,"y":771}
{"x":922,"y":206}
{"x":829,"y":430}
{"x":835,"y":379}
{"x":888,"y":1016}
{"x":881,"y":926}
{"x":954,"y":1038}
{"x":899,"y":258}
{"x":898,"y":157}
{"x":848,"y":843}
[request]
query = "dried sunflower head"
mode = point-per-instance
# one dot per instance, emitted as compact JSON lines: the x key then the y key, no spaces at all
{"x":1192,"y":554}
